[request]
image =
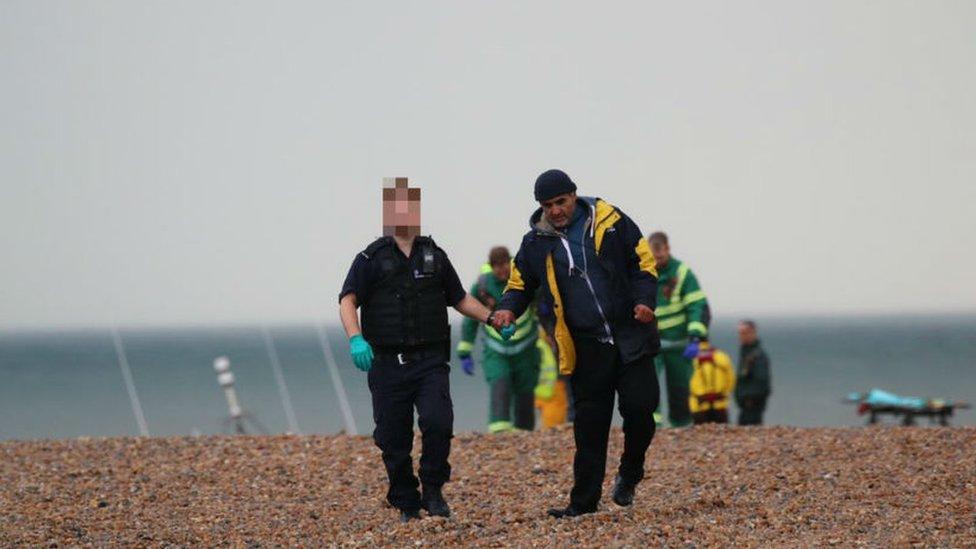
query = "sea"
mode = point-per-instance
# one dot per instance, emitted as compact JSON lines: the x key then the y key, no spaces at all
{"x":70,"y":383}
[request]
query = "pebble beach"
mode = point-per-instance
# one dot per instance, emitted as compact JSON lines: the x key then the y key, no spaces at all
{"x":705,"y":486}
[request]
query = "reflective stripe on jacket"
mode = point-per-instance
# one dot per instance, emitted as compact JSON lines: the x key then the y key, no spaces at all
{"x":548,"y":371}
{"x":682,"y":309}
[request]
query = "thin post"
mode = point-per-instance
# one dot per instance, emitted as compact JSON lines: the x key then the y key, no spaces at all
{"x":280,"y":380}
{"x":226,"y":380}
{"x":340,"y":388}
{"x":130,"y":385}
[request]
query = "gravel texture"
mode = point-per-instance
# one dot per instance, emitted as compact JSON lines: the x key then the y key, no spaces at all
{"x":706,"y":486}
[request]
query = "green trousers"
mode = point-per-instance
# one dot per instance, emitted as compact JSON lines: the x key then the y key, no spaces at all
{"x":511,"y":381}
{"x":677,"y":371}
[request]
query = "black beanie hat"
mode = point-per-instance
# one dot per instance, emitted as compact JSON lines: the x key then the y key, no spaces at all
{"x":553,"y":183}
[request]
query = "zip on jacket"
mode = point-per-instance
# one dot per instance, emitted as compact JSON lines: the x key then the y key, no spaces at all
{"x":622,"y":251}
{"x":582,"y":227}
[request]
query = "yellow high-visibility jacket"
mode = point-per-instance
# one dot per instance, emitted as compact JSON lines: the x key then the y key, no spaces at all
{"x":550,"y":394}
{"x":713,"y":380}
{"x":548,"y":369}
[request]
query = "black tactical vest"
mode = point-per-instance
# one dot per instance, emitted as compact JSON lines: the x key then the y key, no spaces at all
{"x":407,"y":306}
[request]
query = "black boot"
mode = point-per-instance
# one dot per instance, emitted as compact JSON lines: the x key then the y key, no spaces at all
{"x":568,"y":512}
{"x":407,"y":516}
{"x":433,"y":502}
{"x":623,"y":492}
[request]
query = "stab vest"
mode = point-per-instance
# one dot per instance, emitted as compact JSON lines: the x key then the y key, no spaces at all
{"x":407,"y":306}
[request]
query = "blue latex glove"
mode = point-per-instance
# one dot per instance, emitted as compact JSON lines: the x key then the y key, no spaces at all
{"x":467,"y":364}
{"x":362,"y":353}
{"x":507,"y":332}
{"x":691,"y":351}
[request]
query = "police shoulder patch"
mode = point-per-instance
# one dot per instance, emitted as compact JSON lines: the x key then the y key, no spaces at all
{"x":427,"y":241}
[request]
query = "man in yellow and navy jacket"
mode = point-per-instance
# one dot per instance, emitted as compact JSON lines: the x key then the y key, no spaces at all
{"x":683,"y":317}
{"x":593,"y":274}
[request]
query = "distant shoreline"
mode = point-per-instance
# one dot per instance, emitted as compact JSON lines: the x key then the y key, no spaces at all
{"x":724,"y":317}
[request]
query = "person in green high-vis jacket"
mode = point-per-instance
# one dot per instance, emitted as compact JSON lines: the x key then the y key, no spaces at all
{"x":682,"y":319}
{"x":511,"y":367}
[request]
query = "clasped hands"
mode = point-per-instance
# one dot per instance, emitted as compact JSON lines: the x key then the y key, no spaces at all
{"x":504,"y":321}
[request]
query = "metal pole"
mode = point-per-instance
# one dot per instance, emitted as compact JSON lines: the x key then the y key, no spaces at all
{"x":130,"y":385}
{"x":340,"y":388}
{"x":280,"y":380}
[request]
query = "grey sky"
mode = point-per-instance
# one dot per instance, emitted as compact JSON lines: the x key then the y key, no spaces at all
{"x":168,"y":162}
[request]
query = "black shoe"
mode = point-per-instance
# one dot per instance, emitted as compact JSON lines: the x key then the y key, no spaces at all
{"x":623,"y":492}
{"x":407,"y":516}
{"x":568,"y":512}
{"x":433,"y":502}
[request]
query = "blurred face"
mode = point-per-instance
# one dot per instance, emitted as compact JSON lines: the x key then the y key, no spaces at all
{"x":559,"y":210}
{"x":661,"y":252}
{"x":502,"y":270}
{"x":401,"y":208}
{"x":747,"y":334}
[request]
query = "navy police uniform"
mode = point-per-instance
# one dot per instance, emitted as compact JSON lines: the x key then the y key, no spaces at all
{"x":404,"y":303}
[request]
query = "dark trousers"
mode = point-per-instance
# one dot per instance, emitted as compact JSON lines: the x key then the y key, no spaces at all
{"x":397,"y":389}
{"x":711,"y":416}
{"x":571,"y":408}
{"x":505,"y":404}
{"x":751,"y":410}
{"x":600,"y":373}
{"x":676,"y":371}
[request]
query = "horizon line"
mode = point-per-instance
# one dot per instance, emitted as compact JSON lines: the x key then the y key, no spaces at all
{"x":293,"y":323}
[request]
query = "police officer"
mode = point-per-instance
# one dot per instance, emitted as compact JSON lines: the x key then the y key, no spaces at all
{"x":404,"y":284}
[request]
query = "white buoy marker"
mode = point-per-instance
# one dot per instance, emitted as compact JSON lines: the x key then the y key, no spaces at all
{"x":226,"y":380}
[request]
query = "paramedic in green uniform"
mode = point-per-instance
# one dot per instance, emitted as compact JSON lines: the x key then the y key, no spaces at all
{"x":511,"y":367}
{"x":683,"y":317}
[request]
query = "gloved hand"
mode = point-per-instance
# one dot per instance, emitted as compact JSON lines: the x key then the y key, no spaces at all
{"x":467,"y":364}
{"x":362,"y":353}
{"x":691,"y":351}
{"x":507,"y":332}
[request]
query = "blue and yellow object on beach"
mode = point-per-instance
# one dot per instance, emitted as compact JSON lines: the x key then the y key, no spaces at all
{"x":878,"y":402}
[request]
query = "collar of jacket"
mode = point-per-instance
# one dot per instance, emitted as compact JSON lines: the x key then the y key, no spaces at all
{"x":603,"y":212}
{"x":385,"y":241}
{"x":669,"y":269}
{"x":746,"y":347}
{"x":541,"y":225}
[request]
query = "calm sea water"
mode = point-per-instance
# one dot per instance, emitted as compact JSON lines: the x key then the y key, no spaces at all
{"x":69,"y":384}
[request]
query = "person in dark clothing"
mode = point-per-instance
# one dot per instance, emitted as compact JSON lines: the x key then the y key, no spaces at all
{"x":404,"y":283}
{"x":754,"y":381}
{"x":593,"y":274}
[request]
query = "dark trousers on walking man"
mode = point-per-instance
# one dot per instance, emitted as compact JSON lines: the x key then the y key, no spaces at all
{"x":601,"y":375}
{"x":751,"y":410}
{"x":400,"y":383}
{"x":591,"y":272}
